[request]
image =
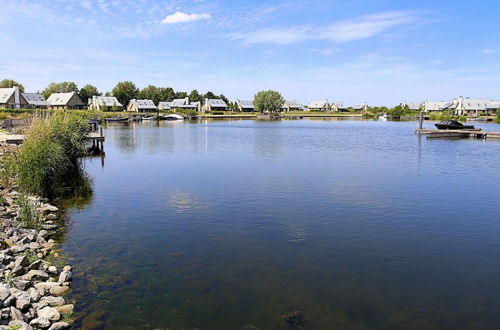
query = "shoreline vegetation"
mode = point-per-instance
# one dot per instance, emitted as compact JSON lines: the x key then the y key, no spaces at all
{"x":33,"y":277}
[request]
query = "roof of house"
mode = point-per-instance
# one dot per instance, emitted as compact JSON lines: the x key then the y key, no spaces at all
{"x":318,"y":104}
{"x":164,"y":105}
{"x":35,"y":99}
{"x":216,"y":103}
{"x":434,"y":106}
{"x":144,"y":104}
{"x":245,"y":104}
{"x":468,"y":104}
{"x":293,"y":104}
{"x":494,"y":105}
{"x":359,"y":106}
{"x":413,"y":105}
{"x":6,"y":94}
{"x":179,"y":102}
{"x":107,"y":101}
{"x":60,"y":98}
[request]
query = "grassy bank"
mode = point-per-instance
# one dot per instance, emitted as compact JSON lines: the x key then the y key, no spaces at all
{"x":51,"y":150}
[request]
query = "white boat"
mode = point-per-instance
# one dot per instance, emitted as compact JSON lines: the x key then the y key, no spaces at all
{"x":174,"y":117}
{"x":149,"y":118}
{"x":382,"y":116}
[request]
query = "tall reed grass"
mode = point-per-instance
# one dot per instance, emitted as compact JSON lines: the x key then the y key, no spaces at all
{"x":50,"y":151}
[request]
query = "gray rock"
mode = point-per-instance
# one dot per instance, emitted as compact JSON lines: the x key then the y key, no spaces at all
{"x":40,"y":322}
{"x":37,"y":265}
{"x":47,"y":208}
{"x":65,"y":276}
{"x":36,"y":275}
{"x":22,"y":261}
{"x":16,"y":314}
{"x":52,"y":301}
{"x":59,"y":291}
{"x":34,"y":294}
{"x":43,"y":287}
{"x":49,"y":313}
{"x":4,"y":294}
{"x":20,"y":325}
{"x":22,"y":285}
{"x":59,"y":326}
{"x":52,"y":269}
{"x":23,"y":301}
{"x":9,"y":301}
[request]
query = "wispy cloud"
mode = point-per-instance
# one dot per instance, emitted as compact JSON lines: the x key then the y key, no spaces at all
{"x":180,"y":17}
{"x":488,"y":51}
{"x":338,"y":32}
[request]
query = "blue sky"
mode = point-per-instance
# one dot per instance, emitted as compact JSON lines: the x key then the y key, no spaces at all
{"x":379,"y":51}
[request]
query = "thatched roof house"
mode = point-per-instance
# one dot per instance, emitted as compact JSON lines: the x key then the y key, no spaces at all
{"x":245,"y":105}
{"x":105,"y":103}
{"x":214,"y":105}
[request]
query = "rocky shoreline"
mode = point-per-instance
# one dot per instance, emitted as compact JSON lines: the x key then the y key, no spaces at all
{"x":32,"y":289}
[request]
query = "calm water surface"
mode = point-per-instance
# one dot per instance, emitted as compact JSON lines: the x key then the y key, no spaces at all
{"x":231,"y":224}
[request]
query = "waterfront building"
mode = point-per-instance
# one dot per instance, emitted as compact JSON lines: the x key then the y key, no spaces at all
{"x":184,"y":104}
{"x":11,"y":98}
{"x":164,"y":106}
{"x":292,"y":106}
{"x":245,"y":106}
{"x":214,"y":105}
{"x":319,"y":106}
{"x":105,"y":103}
{"x":35,"y":101}
{"x":141,"y":106}
{"x":65,"y":101}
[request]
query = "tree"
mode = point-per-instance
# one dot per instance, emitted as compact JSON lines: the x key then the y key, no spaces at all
{"x":268,"y":101}
{"x":150,"y":93}
{"x":7,"y":83}
{"x":62,"y":87}
{"x":194,"y":96}
{"x":125,"y":91}
{"x":87,"y":91}
{"x":399,"y":110}
{"x":209,"y":95}
{"x":181,"y":95}
{"x":223,"y":98}
{"x":166,"y":94}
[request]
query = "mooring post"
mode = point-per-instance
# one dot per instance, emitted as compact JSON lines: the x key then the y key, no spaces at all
{"x":421,"y":120}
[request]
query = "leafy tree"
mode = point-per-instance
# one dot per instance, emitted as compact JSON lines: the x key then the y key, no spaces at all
{"x":268,"y":101}
{"x":194,"y":96}
{"x":125,"y":91}
{"x":62,"y":87}
{"x":6,"y":83}
{"x":150,"y":93}
{"x":223,"y":98}
{"x":209,"y":95}
{"x":180,"y":95}
{"x":166,"y":94}
{"x":399,"y":110}
{"x":87,"y":91}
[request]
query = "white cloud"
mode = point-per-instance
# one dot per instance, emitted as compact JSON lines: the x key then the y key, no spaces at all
{"x":338,"y":32}
{"x":180,"y":17}
{"x":488,"y":51}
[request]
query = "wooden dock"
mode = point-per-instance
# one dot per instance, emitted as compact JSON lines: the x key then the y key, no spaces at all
{"x":457,"y":133}
{"x":95,"y":137}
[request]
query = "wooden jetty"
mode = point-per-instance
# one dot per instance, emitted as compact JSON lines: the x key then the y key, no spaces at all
{"x":96,"y":138}
{"x":457,"y":133}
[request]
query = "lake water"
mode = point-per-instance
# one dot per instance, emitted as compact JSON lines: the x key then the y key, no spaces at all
{"x":232,"y":224}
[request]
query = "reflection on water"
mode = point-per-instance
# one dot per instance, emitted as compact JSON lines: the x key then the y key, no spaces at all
{"x":233,"y":224}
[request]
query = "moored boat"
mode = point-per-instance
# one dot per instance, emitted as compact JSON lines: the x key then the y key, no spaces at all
{"x":173,"y":117}
{"x":117,"y":119}
{"x":452,"y":124}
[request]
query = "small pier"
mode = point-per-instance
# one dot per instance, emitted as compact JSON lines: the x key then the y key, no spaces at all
{"x":458,"y":133}
{"x":97,"y":138}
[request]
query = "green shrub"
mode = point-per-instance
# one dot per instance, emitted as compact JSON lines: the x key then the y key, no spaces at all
{"x":29,"y":214}
{"x":7,"y":169}
{"x":51,"y":149}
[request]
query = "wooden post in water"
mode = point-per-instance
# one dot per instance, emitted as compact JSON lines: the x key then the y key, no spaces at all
{"x":421,"y":120}
{"x":101,"y":135}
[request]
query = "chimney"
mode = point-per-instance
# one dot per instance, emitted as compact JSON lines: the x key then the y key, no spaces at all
{"x":186,"y":99}
{"x":17,"y":98}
